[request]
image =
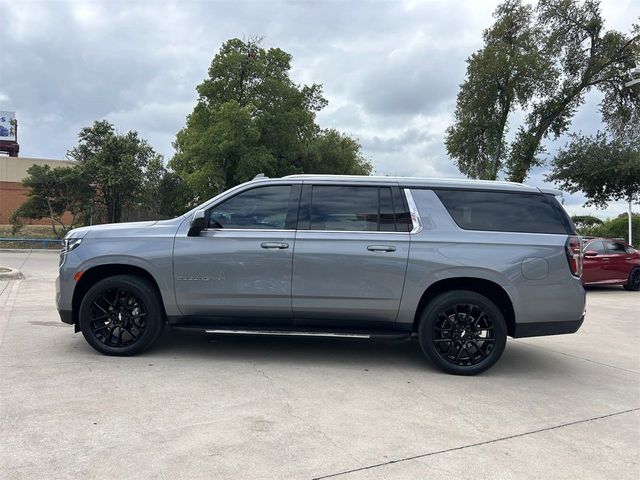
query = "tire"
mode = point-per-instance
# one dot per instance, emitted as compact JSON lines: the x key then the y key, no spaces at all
{"x":121,"y":315}
{"x":633,"y":283}
{"x":468,"y":352}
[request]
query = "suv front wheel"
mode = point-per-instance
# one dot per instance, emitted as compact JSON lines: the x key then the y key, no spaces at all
{"x":121,"y":315}
{"x":462,"y":332}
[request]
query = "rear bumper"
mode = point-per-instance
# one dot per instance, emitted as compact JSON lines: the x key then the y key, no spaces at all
{"x":539,"y":329}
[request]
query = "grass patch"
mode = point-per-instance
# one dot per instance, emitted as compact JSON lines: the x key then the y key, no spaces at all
{"x":28,"y":231}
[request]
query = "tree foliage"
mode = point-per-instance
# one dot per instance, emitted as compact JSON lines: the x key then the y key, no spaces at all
{"x":585,"y":222}
{"x":52,"y":193}
{"x":121,"y":167}
{"x":542,"y":62}
{"x":604,"y":168}
{"x":251,"y":118}
{"x":613,"y":228}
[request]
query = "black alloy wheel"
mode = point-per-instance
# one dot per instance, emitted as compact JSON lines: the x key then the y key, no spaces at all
{"x":462,"y":332}
{"x":121,"y":315}
{"x":118,"y":318}
{"x":633,"y":283}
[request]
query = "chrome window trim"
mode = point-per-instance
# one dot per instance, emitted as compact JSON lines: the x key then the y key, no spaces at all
{"x":352,"y":231}
{"x":247,"y":230}
{"x":415,"y":215}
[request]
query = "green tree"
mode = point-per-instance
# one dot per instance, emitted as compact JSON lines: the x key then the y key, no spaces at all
{"x":116,"y":164}
{"x":605,"y":169}
{"x":585,"y":223}
{"x":569,"y":52}
{"x":617,"y":227}
{"x":54,"y":192}
{"x":334,"y":152}
{"x":250,"y":118}
{"x":502,"y":76}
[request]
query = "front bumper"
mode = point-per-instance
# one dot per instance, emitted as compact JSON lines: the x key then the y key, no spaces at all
{"x":539,"y":329}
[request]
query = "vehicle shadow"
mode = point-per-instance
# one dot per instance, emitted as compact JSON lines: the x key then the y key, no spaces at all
{"x":405,"y":354}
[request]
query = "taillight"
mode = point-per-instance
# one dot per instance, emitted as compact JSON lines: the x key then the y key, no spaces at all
{"x":574,"y":255}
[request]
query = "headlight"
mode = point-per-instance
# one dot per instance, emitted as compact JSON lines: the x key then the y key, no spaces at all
{"x":68,"y":245}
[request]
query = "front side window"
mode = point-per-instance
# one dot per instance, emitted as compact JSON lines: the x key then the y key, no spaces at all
{"x":598,"y":246}
{"x":262,"y":207}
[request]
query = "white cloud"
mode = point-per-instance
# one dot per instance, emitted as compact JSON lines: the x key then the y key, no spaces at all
{"x":390,"y":70}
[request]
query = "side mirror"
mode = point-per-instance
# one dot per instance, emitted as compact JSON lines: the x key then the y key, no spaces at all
{"x":197,"y":223}
{"x":590,"y":253}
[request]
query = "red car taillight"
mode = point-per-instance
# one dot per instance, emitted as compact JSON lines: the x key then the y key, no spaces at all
{"x":574,"y":255}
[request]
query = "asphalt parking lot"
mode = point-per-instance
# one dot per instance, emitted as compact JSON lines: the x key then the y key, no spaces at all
{"x":291,"y":408}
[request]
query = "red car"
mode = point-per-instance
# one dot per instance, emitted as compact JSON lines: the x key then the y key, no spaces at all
{"x":610,"y":262}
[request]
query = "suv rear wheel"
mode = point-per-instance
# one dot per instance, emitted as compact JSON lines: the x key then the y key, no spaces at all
{"x":462,"y":332}
{"x":121,"y":315}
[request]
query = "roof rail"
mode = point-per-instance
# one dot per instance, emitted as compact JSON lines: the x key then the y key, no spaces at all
{"x":259,"y":176}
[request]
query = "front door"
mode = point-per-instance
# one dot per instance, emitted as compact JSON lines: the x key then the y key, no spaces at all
{"x":352,"y":247}
{"x":239,"y":268}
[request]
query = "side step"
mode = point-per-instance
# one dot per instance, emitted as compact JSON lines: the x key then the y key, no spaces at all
{"x":297,"y":333}
{"x":290,"y":333}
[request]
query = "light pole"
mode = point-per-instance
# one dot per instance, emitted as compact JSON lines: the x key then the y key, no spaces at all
{"x":634,"y":73}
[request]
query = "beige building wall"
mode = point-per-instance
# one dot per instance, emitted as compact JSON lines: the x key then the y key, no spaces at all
{"x":12,"y":194}
{"x":14,"y":169}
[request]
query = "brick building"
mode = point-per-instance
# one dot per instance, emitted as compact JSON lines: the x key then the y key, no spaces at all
{"x":12,"y":193}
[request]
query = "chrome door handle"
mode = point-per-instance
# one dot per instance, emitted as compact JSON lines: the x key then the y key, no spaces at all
{"x":381,"y":248}
{"x":274,"y":245}
{"x":605,"y":259}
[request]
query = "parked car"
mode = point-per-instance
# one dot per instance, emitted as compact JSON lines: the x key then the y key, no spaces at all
{"x":611,"y":261}
{"x":460,"y":264}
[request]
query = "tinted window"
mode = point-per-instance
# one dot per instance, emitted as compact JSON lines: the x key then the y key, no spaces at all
{"x":500,"y":211}
{"x":598,"y":246}
{"x":615,"y":248}
{"x":403,"y":216}
{"x":387,"y":216}
{"x":344,"y":208}
{"x":264,"y":207}
{"x":351,"y":208}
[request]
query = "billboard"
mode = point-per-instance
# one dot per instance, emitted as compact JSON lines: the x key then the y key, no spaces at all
{"x":7,"y":126}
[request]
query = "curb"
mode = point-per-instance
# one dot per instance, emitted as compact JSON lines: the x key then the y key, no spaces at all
{"x":11,"y":274}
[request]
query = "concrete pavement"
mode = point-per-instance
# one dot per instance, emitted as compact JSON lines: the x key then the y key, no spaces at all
{"x":292,"y":408}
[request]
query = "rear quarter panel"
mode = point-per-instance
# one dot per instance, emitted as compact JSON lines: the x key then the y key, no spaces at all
{"x":532,"y":268}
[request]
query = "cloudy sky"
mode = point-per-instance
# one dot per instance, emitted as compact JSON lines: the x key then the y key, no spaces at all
{"x":390,"y":69}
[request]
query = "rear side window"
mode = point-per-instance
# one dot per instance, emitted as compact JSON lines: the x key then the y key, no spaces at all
{"x":504,"y":211}
{"x":353,"y":208}
{"x":615,"y":248}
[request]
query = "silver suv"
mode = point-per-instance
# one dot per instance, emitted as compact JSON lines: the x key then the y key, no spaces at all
{"x":460,"y":264}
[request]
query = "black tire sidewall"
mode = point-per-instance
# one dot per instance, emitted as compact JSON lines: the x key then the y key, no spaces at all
{"x":628,"y":286}
{"x":428,"y":321}
{"x":141,"y":288}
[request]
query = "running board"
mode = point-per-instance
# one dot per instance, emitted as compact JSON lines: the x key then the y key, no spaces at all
{"x":290,"y":333}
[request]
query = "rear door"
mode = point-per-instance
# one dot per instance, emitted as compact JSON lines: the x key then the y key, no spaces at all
{"x":351,"y":252}
{"x":619,"y":266}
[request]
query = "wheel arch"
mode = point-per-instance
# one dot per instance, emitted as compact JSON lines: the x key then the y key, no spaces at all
{"x":100,"y":272}
{"x":487,"y":288}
